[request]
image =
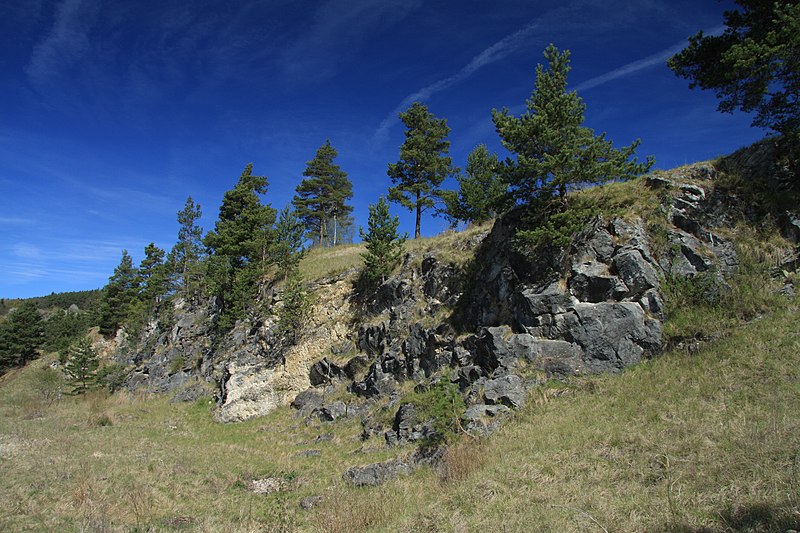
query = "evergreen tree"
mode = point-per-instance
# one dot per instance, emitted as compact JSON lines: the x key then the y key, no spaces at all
{"x":243,"y":231}
{"x":239,"y":245}
{"x":81,"y":366}
{"x":423,"y":163}
{"x":754,"y":65}
{"x":384,"y":245}
{"x":555,"y":152}
{"x":119,"y":295}
{"x":482,"y":193}
{"x":287,"y":248}
{"x":21,"y":336}
{"x":292,"y":315}
{"x":188,"y":251}
{"x":152,"y":275}
{"x":321,"y":199}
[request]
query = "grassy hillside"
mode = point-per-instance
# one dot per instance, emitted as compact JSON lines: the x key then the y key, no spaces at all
{"x":706,"y":437}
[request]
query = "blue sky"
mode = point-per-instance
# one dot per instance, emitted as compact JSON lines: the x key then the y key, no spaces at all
{"x":112,"y":112}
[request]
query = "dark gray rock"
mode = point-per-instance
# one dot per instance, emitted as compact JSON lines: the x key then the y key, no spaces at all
{"x":408,"y":427}
{"x":440,"y":281}
{"x":612,"y":335}
{"x":373,"y":340}
{"x":324,"y":372}
{"x":593,"y":242}
{"x":332,"y":412}
{"x":193,"y":392}
{"x":591,"y":281}
{"x":637,"y":274}
{"x":394,"y":292}
{"x":308,"y":400}
{"x":356,"y":366}
{"x":377,"y":473}
{"x":507,"y":390}
{"x":652,"y":302}
{"x":531,"y":304}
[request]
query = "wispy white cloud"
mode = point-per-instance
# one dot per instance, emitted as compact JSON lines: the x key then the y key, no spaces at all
{"x":338,"y":27}
{"x":657,"y":59}
{"x":17,"y":221}
{"x":492,"y":54}
{"x":65,"y":43}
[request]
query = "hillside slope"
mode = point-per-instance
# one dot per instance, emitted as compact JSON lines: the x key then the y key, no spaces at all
{"x":499,"y":354}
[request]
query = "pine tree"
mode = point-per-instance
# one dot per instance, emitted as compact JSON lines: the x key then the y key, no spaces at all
{"x":119,"y":295}
{"x":152,"y":275}
{"x":482,"y":193}
{"x":423,"y":163}
{"x":287,"y":248}
{"x":554,"y":151}
{"x":754,"y":65}
{"x":81,"y":366}
{"x":21,"y":336}
{"x":321,"y":199}
{"x":188,"y":251}
{"x":384,"y":245}
{"x":239,"y":245}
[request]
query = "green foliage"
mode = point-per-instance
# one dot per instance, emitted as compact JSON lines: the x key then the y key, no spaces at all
{"x":111,"y":376}
{"x":443,"y":404}
{"x":423,"y":163}
{"x":554,"y":152}
{"x":321,"y":198}
{"x":81,"y":366}
{"x":21,"y":336}
{"x":287,"y":248}
{"x":62,"y":328}
{"x":384,"y":246}
{"x":244,"y":227}
{"x":552,"y":225}
{"x":753,"y":66}
{"x":152,"y":275}
{"x":482,"y":193}
{"x":119,"y":295}
{"x":185,"y":256}
{"x":239,"y":246}
{"x":296,"y":307}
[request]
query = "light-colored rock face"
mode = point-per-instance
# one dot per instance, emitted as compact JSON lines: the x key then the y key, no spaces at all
{"x":254,"y":388}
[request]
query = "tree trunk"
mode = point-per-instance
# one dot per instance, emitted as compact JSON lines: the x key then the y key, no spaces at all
{"x":419,"y":217}
{"x":334,"y":230}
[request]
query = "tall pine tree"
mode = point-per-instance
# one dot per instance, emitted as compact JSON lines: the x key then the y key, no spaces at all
{"x":239,"y":245}
{"x":187,"y":253}
{"x":423,"y":163}
{"x":152,"y":275}
{"x":554,"y":150}
{"x":119,"y":295}
{"x":321,"y":199}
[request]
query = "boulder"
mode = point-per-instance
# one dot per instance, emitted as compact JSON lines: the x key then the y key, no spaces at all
{"x":377,"y":473}
{"x":324,"y":372}
{"x":507,"y":390}
{"x":407,"y":427}
{"x":612,"y":335}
